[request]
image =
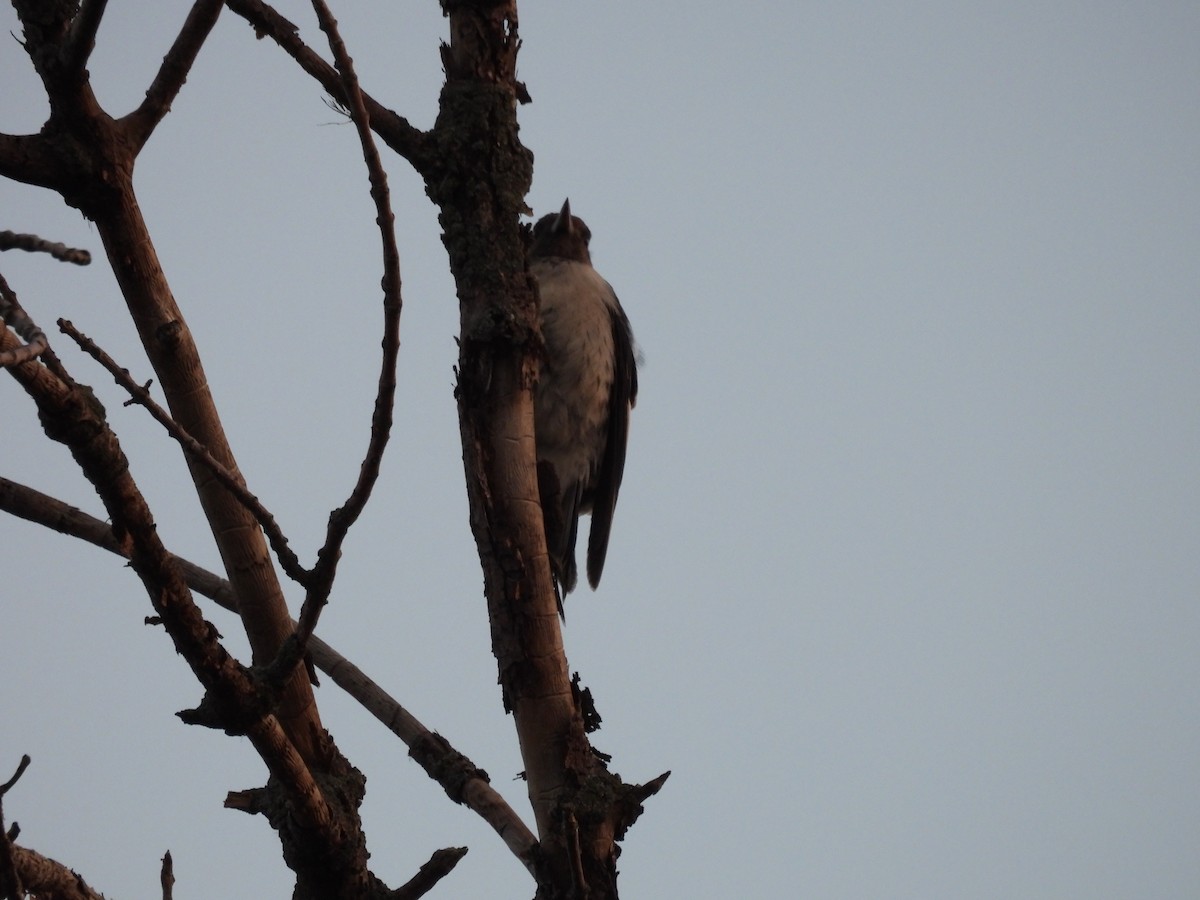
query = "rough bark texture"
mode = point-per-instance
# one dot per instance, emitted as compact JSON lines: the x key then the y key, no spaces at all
{"x":581,"y":809}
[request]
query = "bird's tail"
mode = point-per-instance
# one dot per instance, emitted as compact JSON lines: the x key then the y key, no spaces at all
{"x":560,"y":517}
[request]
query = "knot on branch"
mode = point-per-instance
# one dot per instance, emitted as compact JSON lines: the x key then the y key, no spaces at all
{"x":275,"y":675}
{"x":630,"y":798}
{"x":445,"y":765}
{"x":501,"y":326}
{"x":76,"y":419}
{"x":235,"y":710}
{"x":602,"y":808}
{"x":169,"y":334}
{"x":252,"y":801}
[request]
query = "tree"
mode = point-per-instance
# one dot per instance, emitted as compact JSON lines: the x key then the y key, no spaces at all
{"x":477,"y":173}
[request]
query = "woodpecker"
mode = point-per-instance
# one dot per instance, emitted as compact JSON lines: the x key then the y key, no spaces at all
{"x":586,"y":388}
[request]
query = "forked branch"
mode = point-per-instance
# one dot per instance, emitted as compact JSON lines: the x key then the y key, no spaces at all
{"x":464,"y":782}
{"x":70,"y":418}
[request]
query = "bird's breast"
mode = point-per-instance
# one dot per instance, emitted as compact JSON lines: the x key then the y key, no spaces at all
{"x":571,"y":404}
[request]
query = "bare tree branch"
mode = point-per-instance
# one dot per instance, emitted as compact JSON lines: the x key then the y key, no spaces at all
{"x":46,"y":879}
{"x":411,"y":143}
{"x":10,"y":240}
{"x":463,"y":782}
{"x":231,"y":481}
{"x":173,"y":72}
{"x":439,"y":866}
{"x":21,"y":767}
{"x":24,"y":873}
{"x":232,"y":696}
{"x":27,"y":158}
{"x":42,"y":509}
{"x":340,"y":520}
{"x":88,"y":157}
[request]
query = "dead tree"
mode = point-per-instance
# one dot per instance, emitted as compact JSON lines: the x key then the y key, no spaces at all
{"x":477,"y":173}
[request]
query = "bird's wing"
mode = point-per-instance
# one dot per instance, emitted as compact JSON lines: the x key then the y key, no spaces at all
{"x":560,"y":518}
{"x":621,"y":399}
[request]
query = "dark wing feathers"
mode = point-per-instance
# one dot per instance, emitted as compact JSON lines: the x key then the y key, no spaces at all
{"x":621,"y":398}
{"x":560,"y":516}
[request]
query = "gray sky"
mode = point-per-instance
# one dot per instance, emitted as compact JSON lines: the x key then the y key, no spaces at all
{"x":904,"y":577}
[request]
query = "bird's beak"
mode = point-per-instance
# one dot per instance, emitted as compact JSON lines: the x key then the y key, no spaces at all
{"x":563,"y":222}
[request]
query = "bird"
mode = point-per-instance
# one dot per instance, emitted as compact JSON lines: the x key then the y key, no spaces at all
{"x":586,"y":387}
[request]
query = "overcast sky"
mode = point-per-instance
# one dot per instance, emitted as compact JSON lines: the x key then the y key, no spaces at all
{"x":903,"y":584}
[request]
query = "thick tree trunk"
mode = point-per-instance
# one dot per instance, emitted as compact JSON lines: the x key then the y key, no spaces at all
{"x":581,"y":809}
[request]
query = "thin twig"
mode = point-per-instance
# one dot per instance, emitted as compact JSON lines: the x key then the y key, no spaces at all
{"x":411,"y":143}
{"x":173,"y":72}
{"x":21,"y":767}
{"x":341,"y":519}
{"x":439,"y":866}
{"x":11,"y":240}
{"x":42,"y":509}
{"x":231,"y":482}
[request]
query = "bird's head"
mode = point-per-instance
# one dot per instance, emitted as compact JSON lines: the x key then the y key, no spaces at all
{"x":561,"y":235}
